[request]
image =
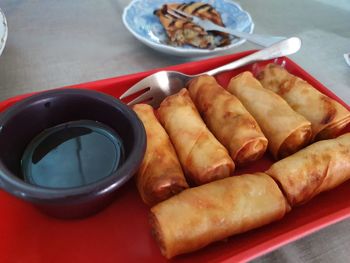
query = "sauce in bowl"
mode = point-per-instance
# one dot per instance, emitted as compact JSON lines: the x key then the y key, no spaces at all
{"x":72,"y":154}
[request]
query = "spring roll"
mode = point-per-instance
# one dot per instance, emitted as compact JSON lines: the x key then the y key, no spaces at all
{"x":202,"y":157}
{"x":317,"y":168}
{"x":160,"y":175}
{"x":286,"y":130}
{"x":326,"y":115}
{"x":199,"y":216}
{"x":228,"y":120}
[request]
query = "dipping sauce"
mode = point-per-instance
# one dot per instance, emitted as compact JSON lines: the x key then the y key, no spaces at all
{"x":72,"y":154}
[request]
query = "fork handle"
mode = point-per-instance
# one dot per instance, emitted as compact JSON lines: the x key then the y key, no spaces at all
{"x":262,"y":40}
{"x":280,"y":49}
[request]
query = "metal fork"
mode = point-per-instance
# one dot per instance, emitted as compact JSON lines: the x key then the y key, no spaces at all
{"x":207,"y":25}
{"x":165,"y":83}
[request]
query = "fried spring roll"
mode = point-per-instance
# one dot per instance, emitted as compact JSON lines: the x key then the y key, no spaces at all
{"x":229,"y":121}
{"x":199,"y":216}
{"x":315,"y":169}
{"x":202,"y":157}
{"x":286,"y":130}
{"x":326,"y":115}
{"x":160,"y":175}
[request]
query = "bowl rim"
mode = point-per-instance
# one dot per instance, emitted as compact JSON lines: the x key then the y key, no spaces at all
{"x":12,"y":184}
{"x":3,"y":38}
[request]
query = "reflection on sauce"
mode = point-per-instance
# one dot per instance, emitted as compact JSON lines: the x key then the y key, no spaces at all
{"x":72,"y":154}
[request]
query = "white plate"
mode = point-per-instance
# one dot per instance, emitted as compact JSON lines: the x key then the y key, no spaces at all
{"x":3,"y":31}
{"x":139,"y":19}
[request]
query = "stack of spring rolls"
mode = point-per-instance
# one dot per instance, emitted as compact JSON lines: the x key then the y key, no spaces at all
{"x":198,"y":136}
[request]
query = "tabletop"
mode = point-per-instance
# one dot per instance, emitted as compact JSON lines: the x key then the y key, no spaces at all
{"x":58,"y":43}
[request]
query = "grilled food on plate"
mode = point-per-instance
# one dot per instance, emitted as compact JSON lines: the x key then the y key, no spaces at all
{"x":182,"y":31}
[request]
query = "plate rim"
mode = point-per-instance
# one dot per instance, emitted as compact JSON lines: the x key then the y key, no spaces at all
{"x":178,"y":50}
{"x":4,"y":37}
{"x":107,"y":85}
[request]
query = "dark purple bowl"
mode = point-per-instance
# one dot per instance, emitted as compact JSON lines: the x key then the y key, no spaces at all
{"x":20,"y":123}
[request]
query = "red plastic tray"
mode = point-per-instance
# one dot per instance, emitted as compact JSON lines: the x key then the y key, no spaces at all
{"x":121,"y":232}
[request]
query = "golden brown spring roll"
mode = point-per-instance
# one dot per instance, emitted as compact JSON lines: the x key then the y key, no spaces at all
{"x":202,"y":157}
{"x":199,"y":216}
{"x":326,"y":115}
{"x":160,"y":175}
{"x":286,"y":130}
{"x":229,"y":121}
{"x":315,"y":169}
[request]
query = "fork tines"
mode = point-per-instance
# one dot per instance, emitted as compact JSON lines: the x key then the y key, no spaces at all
{"x":179,"y":14}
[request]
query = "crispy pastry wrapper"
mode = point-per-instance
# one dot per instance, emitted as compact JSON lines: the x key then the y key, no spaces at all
{"x":228,"y":120}
{"x":199,"y":216}
{"x":286,"y":130}
{"x":327,"y":116}
{"x":160,"y":175}
{"x":202,"y":157}
{"x":200,"y":9}
{"x":317,"y":168}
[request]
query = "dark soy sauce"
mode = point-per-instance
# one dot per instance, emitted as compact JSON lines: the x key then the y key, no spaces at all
{"x":72,"y":154}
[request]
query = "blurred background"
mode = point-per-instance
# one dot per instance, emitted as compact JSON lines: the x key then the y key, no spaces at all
{"x":57,"y":43}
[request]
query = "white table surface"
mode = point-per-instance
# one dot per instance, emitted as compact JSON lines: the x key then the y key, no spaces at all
{"x":57,"y":43}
